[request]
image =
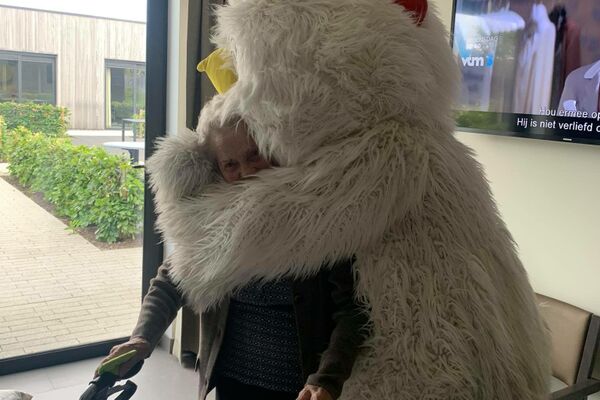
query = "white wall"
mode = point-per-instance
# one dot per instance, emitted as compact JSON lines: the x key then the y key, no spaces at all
{"x":549,"y":196}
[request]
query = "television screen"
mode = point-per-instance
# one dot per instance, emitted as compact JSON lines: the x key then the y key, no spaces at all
{"x":530,"y":68}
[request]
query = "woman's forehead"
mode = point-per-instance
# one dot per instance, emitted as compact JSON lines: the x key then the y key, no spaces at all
{"x":229,"y":142}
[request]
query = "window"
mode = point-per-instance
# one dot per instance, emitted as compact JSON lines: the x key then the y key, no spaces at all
{"x":125,"y":91}
{"x":27,"y":77}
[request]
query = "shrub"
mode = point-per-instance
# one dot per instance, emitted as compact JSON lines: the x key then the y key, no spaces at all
{"x":2,"y":138}
{"x":45,"y":118}
{"x":119,"y":111}
{"x":87,"y":185}
{"x":140,"y":129}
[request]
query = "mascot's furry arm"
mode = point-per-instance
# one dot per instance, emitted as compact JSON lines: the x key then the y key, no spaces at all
{"x":183,"y":166}
{"x":339,"y":201}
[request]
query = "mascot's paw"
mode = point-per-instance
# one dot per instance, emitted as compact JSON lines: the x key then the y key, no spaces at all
{"x":180,"y":167}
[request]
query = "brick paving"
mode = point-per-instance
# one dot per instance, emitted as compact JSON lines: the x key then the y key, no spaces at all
{"x":57,"y":289}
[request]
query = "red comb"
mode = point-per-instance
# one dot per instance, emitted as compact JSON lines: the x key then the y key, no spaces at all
{"x":418,"y":8}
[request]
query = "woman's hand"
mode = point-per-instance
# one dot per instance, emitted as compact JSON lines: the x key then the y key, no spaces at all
{"x":142,"y":346}
{"x":312,"y":392}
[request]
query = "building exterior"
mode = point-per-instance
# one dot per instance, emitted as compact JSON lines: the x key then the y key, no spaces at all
{"x":93,"y":66}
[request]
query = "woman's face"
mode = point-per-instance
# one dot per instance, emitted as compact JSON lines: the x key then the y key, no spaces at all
{"x":237,"y":154}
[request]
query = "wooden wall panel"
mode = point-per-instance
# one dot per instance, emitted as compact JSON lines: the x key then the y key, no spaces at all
{"x":81,"y":45}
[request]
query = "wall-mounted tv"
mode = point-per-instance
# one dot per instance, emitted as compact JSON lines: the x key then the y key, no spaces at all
{"x":530,"y":68}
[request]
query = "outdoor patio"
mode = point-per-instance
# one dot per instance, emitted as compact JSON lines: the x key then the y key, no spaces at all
{"x":58,"y":289}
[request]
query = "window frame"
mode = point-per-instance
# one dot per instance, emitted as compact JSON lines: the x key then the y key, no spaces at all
{"x":21,"y":57}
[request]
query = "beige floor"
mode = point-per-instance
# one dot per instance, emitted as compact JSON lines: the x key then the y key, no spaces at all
{"x":57,"y":289}
{"x":161,"y":378}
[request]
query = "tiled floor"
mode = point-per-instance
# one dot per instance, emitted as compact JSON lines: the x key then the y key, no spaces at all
{"x":161,"y":378}
{"x":59,"y":290}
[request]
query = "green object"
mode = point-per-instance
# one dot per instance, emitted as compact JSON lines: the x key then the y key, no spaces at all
{"x":87,"y":185}
{"x":2,"y":138}
{"x":112,"y":366}
{"x":48,"y":119}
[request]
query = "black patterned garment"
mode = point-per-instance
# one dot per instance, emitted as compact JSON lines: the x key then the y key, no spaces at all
{"x":261,"y":346}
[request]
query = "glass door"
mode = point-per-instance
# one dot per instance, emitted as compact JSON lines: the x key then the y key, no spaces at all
{"x":125,"y":92}
{"x":77,"y":247}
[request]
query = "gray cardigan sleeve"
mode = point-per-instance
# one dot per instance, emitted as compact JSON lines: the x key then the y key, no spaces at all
{"x":159,"y":308}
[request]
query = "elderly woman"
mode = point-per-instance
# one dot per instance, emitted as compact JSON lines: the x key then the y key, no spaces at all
{"x":281,"y":339}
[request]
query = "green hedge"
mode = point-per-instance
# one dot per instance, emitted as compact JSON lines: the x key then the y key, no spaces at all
{"x":119,"y":111}
{"x":2,"y":137}
{"x":140,"y":129}
{"x":86,"y":184}
{"x":46,"y":118}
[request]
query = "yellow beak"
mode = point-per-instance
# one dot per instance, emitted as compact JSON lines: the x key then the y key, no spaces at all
{"x":216,"y":68}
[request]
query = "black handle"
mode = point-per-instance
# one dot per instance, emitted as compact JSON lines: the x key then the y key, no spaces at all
{"x":127,"y":390}
{"x":133,"y":370}
{"x":102,"y":386}
{"x":98,"y":387}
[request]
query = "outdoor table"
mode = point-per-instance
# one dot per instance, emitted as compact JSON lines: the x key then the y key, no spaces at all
{"x":132,"y":147}
{"x":131,"y":121}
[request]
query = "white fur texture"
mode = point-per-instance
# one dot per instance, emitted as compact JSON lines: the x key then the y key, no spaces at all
{"x":354,"y":100}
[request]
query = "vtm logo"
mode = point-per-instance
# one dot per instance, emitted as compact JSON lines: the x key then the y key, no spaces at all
{"x":478,"y":61}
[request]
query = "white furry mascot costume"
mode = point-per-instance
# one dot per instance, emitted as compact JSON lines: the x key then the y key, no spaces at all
{"x":354,"y":101}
